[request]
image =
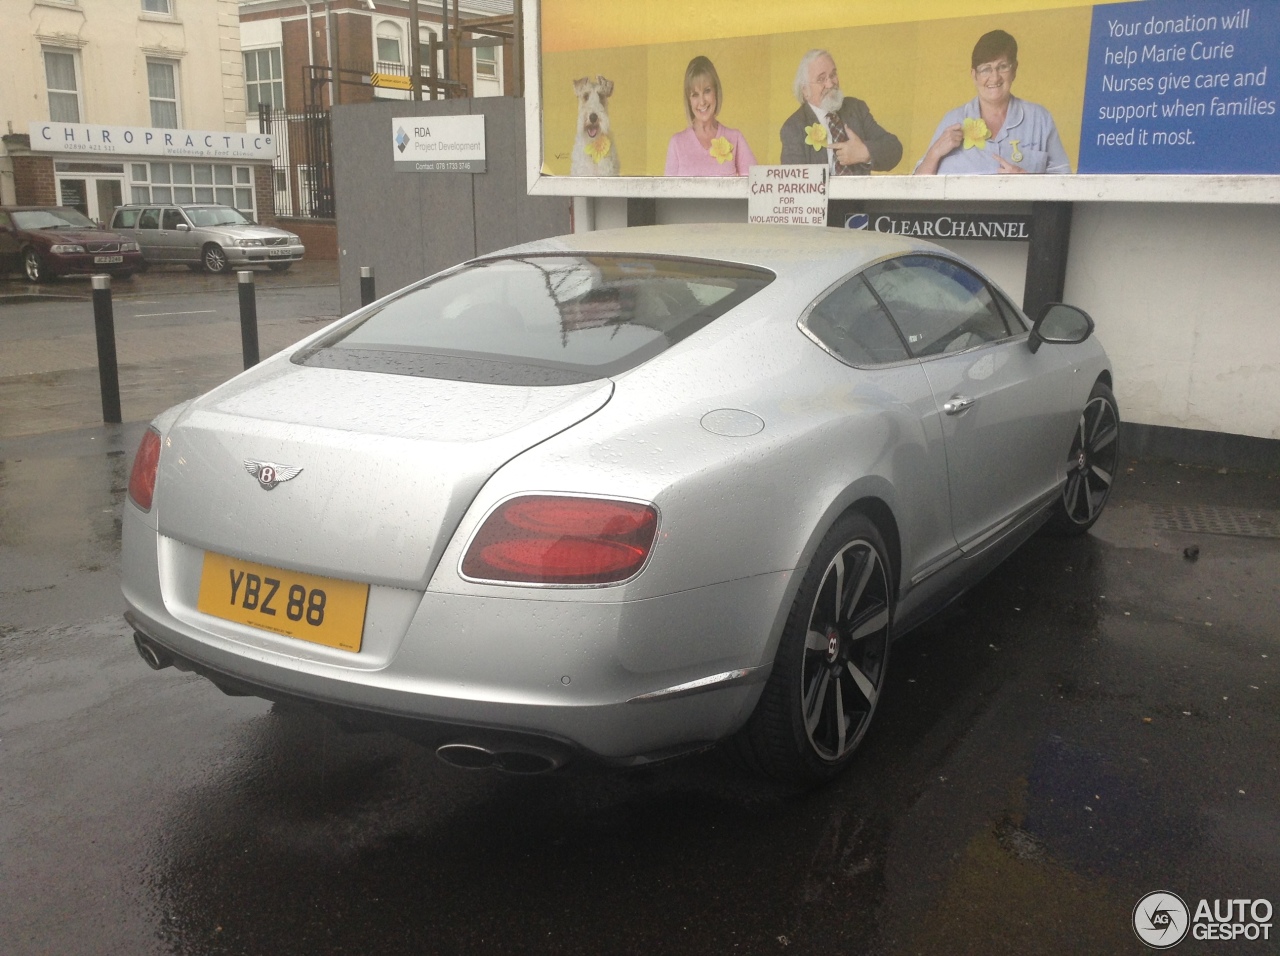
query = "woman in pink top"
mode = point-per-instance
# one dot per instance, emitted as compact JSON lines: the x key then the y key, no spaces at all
{"x":706,"y":148}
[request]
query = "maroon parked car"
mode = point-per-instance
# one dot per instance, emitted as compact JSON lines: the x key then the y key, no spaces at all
{"x":49,"y":241}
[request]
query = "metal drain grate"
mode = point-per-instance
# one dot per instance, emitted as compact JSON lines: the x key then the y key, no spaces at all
{"x":1208,"y":519}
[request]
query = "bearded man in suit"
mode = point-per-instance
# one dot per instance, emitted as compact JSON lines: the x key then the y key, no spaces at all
{"x":832,"y":128}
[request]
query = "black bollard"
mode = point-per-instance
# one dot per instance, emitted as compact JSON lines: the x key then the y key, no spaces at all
{"x":367,"y":293}
{"x":104,"y":325}
{"x":248,"y":319}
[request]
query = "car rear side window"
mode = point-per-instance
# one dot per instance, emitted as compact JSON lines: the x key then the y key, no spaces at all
{"x":851,"y":322}
{"x":540,"y":320}
{"x":939,"y":305}
{"x":125,"y":219}
{"x":150,"y":219}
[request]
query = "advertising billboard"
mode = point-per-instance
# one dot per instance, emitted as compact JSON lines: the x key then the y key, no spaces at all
{"x":1000,"y":99}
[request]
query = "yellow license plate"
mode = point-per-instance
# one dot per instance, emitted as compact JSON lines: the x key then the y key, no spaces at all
{"x":308,"y":607}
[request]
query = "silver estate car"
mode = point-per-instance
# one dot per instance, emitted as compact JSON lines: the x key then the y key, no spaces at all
{"x":618,"y":495}
{"x":206,"y":236}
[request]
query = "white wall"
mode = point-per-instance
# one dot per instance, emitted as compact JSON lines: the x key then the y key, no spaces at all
{"x":112,"y":40}
{"x":1187,"y":302}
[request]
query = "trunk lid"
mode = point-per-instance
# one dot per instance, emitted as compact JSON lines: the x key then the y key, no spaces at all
{"x":389,"y":464}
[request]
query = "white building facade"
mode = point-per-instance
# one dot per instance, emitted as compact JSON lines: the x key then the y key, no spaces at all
{"x":117,"y":101}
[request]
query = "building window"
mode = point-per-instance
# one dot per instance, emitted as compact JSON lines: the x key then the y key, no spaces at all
{"x":263,"y":79}
{"x":60,"y":75}
{"x":486,"y":61}
{"x":193,"y":182}
{"x":389,"y":48}
{"x":158,"y":6}
{"x":162,"y":87}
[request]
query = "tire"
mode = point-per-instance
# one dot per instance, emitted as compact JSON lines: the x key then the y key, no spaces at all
{"x":279,"y":266}
{"x":214,"y":259}
{"x":1092,"y":462}
{"x":830,"y":668}
{"x":33,"y":266}
{"x":143,"y":265}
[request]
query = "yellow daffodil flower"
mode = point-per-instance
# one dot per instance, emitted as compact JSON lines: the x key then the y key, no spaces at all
{"x":598,"y":148}
{"x":816,"y":136}
{"x":976,"y":133}
{"x":721,"y":150}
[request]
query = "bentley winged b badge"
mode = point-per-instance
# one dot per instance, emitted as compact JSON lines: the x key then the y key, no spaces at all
{"x":270,"y":474}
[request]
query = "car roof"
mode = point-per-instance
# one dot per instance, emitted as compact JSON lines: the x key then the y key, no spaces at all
{"x":38,"y":208}
{"x":779,"y":248}
{"x":177,"y":205}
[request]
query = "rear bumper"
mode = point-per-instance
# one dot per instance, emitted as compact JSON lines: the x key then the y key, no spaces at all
{"x":623,"y":681}
{"x":624,"y":733}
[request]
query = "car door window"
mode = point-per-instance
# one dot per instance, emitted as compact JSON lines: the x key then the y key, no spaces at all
{"x":1012,"y":316}
{"x":851,"y":322}
{"x":125,"y":219}
{"x":150,"y":219}
{"x":939,"y":305}
{"x":172,"y":217}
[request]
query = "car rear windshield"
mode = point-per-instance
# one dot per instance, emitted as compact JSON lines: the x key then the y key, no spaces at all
{"x":539,"y":320}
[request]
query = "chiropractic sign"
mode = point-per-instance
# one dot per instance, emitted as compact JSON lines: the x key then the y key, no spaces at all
{"x":89,"y":139}
{"x":891,"y":97}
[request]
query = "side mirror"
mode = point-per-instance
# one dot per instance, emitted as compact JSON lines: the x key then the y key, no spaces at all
{"x":1060,"y":324}
{"x":183,"y":227}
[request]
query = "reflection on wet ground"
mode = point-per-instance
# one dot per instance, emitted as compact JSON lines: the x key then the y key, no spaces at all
{"x":1096,"y":721}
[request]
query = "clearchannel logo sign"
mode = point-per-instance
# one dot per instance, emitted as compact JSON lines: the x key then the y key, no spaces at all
{"x":1162,"y":920}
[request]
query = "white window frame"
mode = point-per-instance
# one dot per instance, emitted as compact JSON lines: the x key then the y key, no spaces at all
{"x":478,"y":78}
{"x":142,"y":181}
{"x":496,"y":61}
{"x":261,"y":82}
{"x":79,"y":81}
{"x":399,"y":38}
{"x":152,"y":99}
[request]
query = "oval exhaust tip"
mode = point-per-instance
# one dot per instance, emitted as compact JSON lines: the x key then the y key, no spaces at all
{"x":154,"y":657}
{"x":467,"y":756}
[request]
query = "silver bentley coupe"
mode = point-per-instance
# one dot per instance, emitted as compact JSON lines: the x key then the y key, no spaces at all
{"x":618,"y":495}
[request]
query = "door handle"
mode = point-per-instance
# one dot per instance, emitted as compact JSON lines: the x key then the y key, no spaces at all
{"x":957,"y":404}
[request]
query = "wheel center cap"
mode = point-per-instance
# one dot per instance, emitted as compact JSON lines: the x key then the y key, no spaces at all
{"x":1082,"y":461}
{"x":833,"y":646}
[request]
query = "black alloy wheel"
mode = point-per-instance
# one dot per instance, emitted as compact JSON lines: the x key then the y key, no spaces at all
{"x":1091,"y":465}
{"x":830,"y":668}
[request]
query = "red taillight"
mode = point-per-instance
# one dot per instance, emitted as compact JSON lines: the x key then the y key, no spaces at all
{"x":557,"y":539}
{"x":142,"y":480}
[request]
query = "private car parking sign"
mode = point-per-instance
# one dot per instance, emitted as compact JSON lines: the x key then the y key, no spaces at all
{"x":433,"y":144}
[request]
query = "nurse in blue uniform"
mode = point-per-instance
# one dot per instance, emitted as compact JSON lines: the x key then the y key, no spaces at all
{"x":995,"y":132}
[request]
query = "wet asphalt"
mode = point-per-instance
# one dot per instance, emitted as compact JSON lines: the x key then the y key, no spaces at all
{"x":1097,"y":720}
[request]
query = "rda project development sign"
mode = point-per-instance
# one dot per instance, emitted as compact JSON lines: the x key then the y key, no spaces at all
{"x":437,"y":144}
